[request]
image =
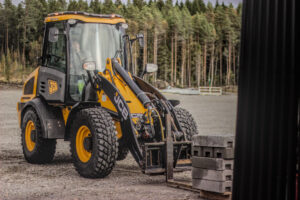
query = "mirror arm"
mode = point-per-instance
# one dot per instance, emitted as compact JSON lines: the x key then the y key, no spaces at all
{"x":142,"y":74}
{"x":132,"y":40}
{"x":125,"y":39}
{"x":130,"y":52}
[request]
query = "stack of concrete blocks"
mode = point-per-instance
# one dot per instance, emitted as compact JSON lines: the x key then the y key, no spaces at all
{"x":212,"y":162}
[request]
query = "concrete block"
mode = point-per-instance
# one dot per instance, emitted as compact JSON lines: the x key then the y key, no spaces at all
{"x":212,"y":186}
{"x":208,"y":152}
{"x":212,"y":163}
{"x":213,"y":152}
{"x":197,"y":151}
{"x":225,"y":153}
{"x":213,"y":175}
{"x":213,"y":141}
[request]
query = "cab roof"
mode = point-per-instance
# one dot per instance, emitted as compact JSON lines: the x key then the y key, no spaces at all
{"x":86,"y":17}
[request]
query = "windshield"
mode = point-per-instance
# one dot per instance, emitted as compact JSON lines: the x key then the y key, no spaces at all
{"x":91,"y":42}
{"x":94,"y":42}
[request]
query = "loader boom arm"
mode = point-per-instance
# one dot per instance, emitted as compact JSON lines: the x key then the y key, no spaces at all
{"x":125,"y":117}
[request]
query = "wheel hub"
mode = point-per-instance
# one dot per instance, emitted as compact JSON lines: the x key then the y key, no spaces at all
{"x":30,"y":135}
{"x":84,"y":144}
{"x":87,"y":144}
{"x":33,"y":135}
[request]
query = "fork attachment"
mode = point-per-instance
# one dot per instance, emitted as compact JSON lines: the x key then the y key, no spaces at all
{"x":155,"y":157}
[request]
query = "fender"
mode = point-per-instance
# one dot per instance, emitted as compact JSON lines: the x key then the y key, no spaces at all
{"x":146,"y":87}
{"x":53,"y":126}
{"x":77,"y":107}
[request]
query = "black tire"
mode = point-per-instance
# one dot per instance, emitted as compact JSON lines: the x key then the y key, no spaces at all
{"x":44,"y":149}
{"x":187,"y":122}
{"x":122,"y":152}
{"x":103,"y":143}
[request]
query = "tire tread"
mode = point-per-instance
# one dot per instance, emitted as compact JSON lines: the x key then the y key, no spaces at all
{"x":103,"y":160}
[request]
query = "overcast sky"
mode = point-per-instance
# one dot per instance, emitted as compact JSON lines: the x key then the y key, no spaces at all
{"x":234,"y":2}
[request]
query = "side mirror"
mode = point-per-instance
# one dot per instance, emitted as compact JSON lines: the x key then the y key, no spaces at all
{"x":140,"y":37}
{"x":150,"y":68}
{"x":53,"y":34}
{"x":89,"y":66}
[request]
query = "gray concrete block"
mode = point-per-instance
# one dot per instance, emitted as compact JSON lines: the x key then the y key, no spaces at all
{"x":213,"y":175}
{"x":208,"y":152}
{"x":212,"y":186}
{"x":213,"y":152}
{"x":197,"y":151}
{"x":212,"y":163}
{"x":225,"y":153}
{"x":213,"y":141}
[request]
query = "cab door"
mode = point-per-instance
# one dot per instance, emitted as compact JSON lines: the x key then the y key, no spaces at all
{"x":52,"y":73}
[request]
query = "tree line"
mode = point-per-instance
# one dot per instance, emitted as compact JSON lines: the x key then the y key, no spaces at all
{"x":193,"y":43}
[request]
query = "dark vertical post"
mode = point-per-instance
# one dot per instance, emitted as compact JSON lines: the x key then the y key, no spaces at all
{"x":266,"y":132}
{"x":169,"y":149}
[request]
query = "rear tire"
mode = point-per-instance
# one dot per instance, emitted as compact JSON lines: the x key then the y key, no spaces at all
{"x":36,"y":149}
{"x":97,"y":157}
{"x":186,"y":122}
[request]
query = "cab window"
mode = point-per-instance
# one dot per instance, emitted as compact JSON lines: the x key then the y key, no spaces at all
{"x":55,"y":53}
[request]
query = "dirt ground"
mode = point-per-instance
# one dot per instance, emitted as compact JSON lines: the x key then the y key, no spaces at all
{"x":59,"y":180}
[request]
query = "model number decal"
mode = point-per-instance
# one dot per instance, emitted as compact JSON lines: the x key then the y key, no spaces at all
{"x":121,"y":106}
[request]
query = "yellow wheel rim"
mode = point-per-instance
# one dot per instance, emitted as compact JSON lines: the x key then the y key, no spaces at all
{"x":29,"y":128}
{"x":82,"y":133}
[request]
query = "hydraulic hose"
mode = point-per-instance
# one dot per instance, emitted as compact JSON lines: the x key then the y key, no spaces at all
{"x":133,"y":86}
{"x":160,"y":123}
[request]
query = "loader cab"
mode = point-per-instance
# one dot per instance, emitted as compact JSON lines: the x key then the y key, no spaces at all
{"x":72,"y":39}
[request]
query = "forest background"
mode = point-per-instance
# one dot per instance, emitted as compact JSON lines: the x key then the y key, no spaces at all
{"x":194,"y":44}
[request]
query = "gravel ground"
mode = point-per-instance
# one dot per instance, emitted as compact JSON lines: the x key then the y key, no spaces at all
{"x":59,"y":180}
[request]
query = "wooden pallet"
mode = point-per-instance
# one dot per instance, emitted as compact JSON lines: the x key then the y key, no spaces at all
{"x":203,"y":194}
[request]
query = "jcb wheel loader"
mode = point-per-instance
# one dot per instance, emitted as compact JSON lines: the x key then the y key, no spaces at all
{"x":84,"y":92}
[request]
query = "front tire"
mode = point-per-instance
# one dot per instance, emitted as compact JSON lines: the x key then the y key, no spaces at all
{"x":186,"y":122}
{"x":93,"y":143}
{"x":36,"y":149}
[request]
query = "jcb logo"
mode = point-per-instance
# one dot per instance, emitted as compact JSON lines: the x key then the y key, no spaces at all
{"x":121,"y":106}
{"x":52,"y":86}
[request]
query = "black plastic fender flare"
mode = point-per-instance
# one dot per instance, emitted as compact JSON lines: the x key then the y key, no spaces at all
{"x":53,"y":126}
{"x":77,"y":107}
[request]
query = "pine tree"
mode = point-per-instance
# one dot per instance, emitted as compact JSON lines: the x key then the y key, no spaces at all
{"x":193,"y":44}
{"x":198,"y":7}
{"x":159,"y":25}
{"x":146,"y":23}
{"x":175,"y":24}
{"x":7,"y":66}
{"x":138,"y":3}
{"x":108,"y":7}
{"x":95,"y":6}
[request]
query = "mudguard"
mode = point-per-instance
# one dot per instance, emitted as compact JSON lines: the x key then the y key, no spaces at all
{"x":76,"y":108}
{"x":51,"y":118}
{"x":146,"y":87}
